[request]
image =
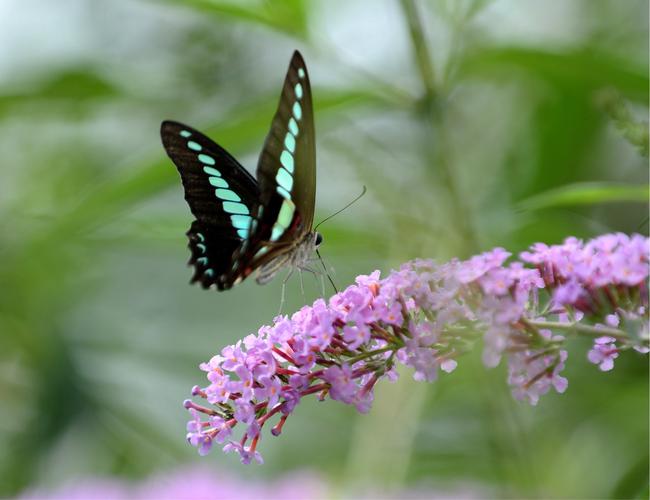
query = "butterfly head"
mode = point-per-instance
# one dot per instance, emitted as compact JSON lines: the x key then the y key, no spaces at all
{"x":318,"y":239}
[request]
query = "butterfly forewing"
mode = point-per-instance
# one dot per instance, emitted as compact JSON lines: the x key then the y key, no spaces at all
{"x":286,"y":173}
{"x":286,"y":170}
{"x":221,"y":194}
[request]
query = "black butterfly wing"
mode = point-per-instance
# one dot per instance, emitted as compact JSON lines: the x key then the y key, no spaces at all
{"x":286,"y":173}
{"x":287,"y":164}
{"x":221,"y":194}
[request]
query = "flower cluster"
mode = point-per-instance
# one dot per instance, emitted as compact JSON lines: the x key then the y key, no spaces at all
{"x":425,"y":316}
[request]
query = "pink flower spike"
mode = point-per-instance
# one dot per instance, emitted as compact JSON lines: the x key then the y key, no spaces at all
{"x":424,"y":316}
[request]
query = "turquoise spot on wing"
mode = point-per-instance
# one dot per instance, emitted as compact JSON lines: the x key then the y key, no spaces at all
{"x":209,"y":273}
{"x":194,"y":146}
{"x":201,"y":247}
{"x":284,"y":179}
{"x":243,"y":233}
{"x":185,"y":133}
{"x":235,"y":208}
{"x":212,"y":171}
{"x":208,"y":160}
{"x":241,"y":221}
{"x":298,"y":90}
{"x":277,"y":233}
{"x":203,"y":261}
{"x":301,"y":73}
{"x":297,"y":110}
{"x":287,"y":161}
{"x":201,"y":237}
{"x":261,"y":252}
{"x":286,"y":213}
{"x":283,"y":192}
{"x":293,"y":127}
{"x":290,"y":142}
{"x":218,"y":182}
{"x":226,"y":195}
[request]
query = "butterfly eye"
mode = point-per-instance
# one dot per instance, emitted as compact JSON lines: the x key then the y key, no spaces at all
{"x":319,"y":239}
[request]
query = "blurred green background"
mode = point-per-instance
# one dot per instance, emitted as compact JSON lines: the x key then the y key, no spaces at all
{"x":473,"y":124}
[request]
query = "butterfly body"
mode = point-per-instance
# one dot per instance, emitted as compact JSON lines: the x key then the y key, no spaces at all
{"x":296,"y":258}
{"x":245,"y":225}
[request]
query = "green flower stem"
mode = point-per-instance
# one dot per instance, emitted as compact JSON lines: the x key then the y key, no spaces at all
{"x":581,"y":329}
{"x":369,"y":354}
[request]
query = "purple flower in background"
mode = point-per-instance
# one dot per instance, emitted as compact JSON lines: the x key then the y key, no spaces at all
{"x":210,"y":483}
{"x":425,"y":316}
{"x":188,"y":483}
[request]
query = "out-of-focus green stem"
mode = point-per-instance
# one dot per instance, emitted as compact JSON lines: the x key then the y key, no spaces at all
{"x":433,"y":106}
{"x":389,"y":458}
{"x":421,"y":49}
{"x":581,"y":329}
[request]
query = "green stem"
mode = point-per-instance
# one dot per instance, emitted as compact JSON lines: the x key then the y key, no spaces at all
{"x":435,"y":121}
{"x":422,"y":56}
{"x":369,"y":354}
{"x":581,"y":329}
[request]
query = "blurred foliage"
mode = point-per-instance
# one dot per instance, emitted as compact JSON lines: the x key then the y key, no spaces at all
{"x":473,"y":123}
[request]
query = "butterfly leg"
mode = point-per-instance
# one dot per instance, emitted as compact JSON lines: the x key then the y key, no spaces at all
{"x":302,"y":285}
{"x":319,"y":276}
{"x":284,"y":287}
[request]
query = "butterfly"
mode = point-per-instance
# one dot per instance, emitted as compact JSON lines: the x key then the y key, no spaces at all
{"x":242,"y":224}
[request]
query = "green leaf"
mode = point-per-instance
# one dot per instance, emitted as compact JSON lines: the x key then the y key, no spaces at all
{"x":586,"y":69}
{"x":634,"y":481}
{"x":286,"y":16}
{"x":586,"y":193}
{"x":75,"y":88}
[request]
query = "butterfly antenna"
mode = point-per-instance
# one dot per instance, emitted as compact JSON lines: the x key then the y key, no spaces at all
{"x":363,"y":191}
{"x":344,"y":208}
{"x":336,"y":290}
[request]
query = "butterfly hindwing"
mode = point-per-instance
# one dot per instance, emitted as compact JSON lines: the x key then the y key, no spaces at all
{"x":221,"y":194}
{"x":211,"y":255}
